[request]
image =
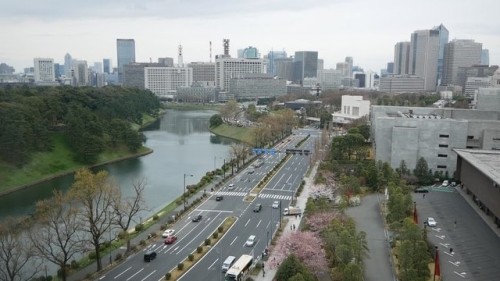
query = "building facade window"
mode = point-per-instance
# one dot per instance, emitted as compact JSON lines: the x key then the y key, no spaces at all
{"x":443,"y":145}
{"x":470,"y":137}
{"x":444,"y":136}
{"x":442,"y":155}
{"x":441,"y":166}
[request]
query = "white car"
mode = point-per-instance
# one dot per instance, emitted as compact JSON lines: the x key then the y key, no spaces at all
{"x":276,"y":204}
{"x":445,"y":183}
{"x":250,"y":241}
{"x":431,"y":222}
{"x":168,"y":233}
{"x":231,"y":186}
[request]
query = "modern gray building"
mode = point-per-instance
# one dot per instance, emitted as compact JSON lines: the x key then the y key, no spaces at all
{"x":107,"y":67}
{"x":197,"y":93}
{"x":394,"y":84}
{"x":401,"y":58}
{"x":203,"y":73}
{"x":125,"y":50}
{"x":252,"y":86}
{"x":227,"y":68}
{"x":133,"y":74}
{"x":459,"y":53}
{"x":443,"y":40}
{"x":305,"y":64}
{"x":464,"y":73}
{"x":488,"y":99}
{"x":168,"y":62}
{"x":284,"y":68}
{"x":271,"y":57}
{"x":485,"y":57}
{"x":424,"y":54}
{"x":409,"y":133}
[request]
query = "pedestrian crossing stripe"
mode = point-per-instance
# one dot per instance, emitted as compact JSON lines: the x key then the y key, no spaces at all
{"x":231,"y":193}
{"x":275,"y":196}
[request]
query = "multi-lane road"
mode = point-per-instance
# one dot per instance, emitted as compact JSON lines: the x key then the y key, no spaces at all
{"x":281,"y":187}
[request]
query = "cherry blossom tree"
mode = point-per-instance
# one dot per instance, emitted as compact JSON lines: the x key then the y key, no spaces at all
{"x":319,"y":221}
{"x":305,"y":245}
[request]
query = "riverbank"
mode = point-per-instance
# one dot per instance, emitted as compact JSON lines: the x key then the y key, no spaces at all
{"x":240,"y":134}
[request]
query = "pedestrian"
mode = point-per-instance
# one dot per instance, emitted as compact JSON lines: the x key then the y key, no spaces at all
{"x":451,"y":250}
{"x":455,"y":223}
{"x":291,"y":227}
{"x":423,"y":195}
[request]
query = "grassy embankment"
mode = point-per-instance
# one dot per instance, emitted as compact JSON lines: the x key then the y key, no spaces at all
{"x":192,"y":106}
{"x":47,"y":165}
{"x":236,"y":133}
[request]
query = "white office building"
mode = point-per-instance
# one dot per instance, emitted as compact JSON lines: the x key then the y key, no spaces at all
{"x":330,"y":79}
{"x":227,"y":68}
{"x":424,"y":54}
{"x":164,"y":81}
{"x":44,"y":70}
{"x":352,"y":108}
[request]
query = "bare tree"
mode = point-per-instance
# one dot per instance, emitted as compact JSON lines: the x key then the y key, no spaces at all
{"x":17,"y":260}
{"x":57,"y":235}
{"x":126,"y":209}
{"x":96,"y":194}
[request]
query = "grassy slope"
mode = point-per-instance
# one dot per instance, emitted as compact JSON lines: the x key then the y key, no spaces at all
{"x":238,"y":133}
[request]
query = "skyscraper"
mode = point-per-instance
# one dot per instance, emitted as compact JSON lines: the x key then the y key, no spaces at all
{"x":424,"y":54}
{"x":485,"y":57}
{"x":443,"y":40}
{"x":125,"y":50}
{"x":107,"y":66}
{"x":349,"y":62}
{"x":401,"y":58}
{"x":305,"y":65}
{"x":271,"y":57}
{"x":251,"y":53}
{"x":44,"y":70}
{"x":68,"y":61}
{"x":459,"y":53}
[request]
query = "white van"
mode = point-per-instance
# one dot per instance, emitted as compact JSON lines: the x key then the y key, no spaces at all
{"x":250,"y":241}
{"x":226,"y":265}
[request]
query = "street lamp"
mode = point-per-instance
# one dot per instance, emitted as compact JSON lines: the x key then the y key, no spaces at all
{"x":184,"y":194}
{"x":110,"y":259}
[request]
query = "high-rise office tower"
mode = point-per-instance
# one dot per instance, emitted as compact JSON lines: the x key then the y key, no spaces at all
{"x":284,"y":68}
{"x":305,"y":65}
{"x":203,"y":73}
{"x":459,"y":53}
{"x":125,"y":50}
{"x":97,"y":67}
{"x":68,"y":61}
{"x":227,"y":68}
{"x":401,"y":58}
{"x":107,"y":66}
{"x":81,"y":73}
{"x":321,"y":64}
{"x":271,"y":57}
{"x":390,"y":67}
{"x":443,"y":40}
{"x":343,"y":67}
{"x":44,"y":70}
{"x":424,"y":54}
{"x":485,"y":57}
{"x":349,"y":62}
{"x":251,"y":53}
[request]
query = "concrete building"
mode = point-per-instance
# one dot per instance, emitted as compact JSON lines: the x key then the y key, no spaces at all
{"x":495,"y":79}
{"x":488,"y":99}
{"x":272,"y":56}
{"x":393,"y":84}
{"x":284,"y":68}
{"x":250,"y":53}
{"x":350,"y":64}
{"x":474,"y":83}
{"x":133,"y":74}
{"x":227,"y":68}
{"x":107,"y":67}
{"x":125,"y":50}
{"x":479,"y":172}
{"x":168,"y":62}
{"x":352,"y":108}
{"x":459,"y":53}
{"x":302,"y":103}
{"x":402,"y":58}
{"x":390,"y":68}
{"x":424,"y":54}
{"x":80,"y":73}
{"x":409,"y":133}
{"x":252,"y":86}
{"x":68,"y":65}
{"x":485,"y":57}
{"x":305,"y":64}
{"x":343,"y":67}
{"x":164,"y":81}
{"x":330,"y":79}
{"x":443,"y":40}
{"x":197,"y":94}
{"x":474,"y":71}
{"x":44,"y":70}
{"x":203,"y":73}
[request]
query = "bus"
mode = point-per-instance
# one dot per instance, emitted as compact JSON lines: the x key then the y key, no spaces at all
{"x":239,"y":268}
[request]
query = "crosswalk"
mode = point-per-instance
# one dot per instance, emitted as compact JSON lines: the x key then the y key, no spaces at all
{"x":261,"y":195}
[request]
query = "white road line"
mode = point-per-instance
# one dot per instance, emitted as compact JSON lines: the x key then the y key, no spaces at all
{"x":247,"y":222}
{"x":258,"y":224}
{"x":135,"y":274}
{"x":233,"y":240}
{"x":213,"y":264}
{"x":462,"y":274}
{"x":122,"y":272}
{"x":200,"y":232}
{"x":269,"y":223}
{"x":214,"y":211}
{"x":148,"y":275}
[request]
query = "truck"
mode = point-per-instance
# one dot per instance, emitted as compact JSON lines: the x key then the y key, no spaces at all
{"x":292,"y":211}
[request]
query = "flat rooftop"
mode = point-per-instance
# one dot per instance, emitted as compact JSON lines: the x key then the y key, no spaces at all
{"x":487,"y":161}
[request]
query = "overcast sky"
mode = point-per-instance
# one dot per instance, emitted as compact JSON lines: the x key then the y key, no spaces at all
{"x":364,"y":29}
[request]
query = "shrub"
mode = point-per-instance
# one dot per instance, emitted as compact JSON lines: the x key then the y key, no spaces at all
{"x":163,"y":226}
{"x":215,"y":235}
{"x":92,"y":255}
{"x":156,"y":217}
{"x":168,"y":275}
{"x":180,"y":266}
{"x":199,"y":249}
{"x":142,"y":243}
{"x":118,"y":256}
{"x":191,"y":257}
{"x":207,"y":242}
{"x":153,"y":234}
{"x":133,"y":247}
{"x":74,"y":264}
{"x":122,"y":235}
{"x":139,"y":227}
{"x":220,"y":229}
{"x":178,"y":202}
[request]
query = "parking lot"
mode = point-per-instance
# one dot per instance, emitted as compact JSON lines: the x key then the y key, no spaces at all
{"x":468,"y":248}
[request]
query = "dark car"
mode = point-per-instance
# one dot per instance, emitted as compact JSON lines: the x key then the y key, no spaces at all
{"x":149,"y":256}
{"x":421,"y":190}
{"x":219,"y":198}
{"x":257,"y":208}
{"x":170,"y":239}
{"x":197,"y":218}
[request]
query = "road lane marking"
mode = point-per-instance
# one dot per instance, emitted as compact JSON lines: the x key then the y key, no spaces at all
{"x":122,"y":272}
{"x":148,"y":275}
{"x":440,"y":236}
{"x":247,"y":222}
{"x":217,"y":211}
{"x":233,"y":240}
{"x":462,"y":274}
{"x":213,"y":264}
{"x":268,"y":224}
{"x":135,"y":274}
{"x":258,"y":223}
{"x":457,"y":263}
{"x":200,"y":232}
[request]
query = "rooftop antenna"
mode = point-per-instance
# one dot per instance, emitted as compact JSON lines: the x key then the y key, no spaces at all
{"x":226,"y":46}
{"x":210,"y":51}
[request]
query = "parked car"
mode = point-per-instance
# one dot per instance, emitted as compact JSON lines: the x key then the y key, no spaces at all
{"x":421,"y":190}
{"x":171,"y":239}
{"x":276,"y":204}
{"x":250,"y":241}
{"x":167,"y":233}
{"x":445,"y":183}
{"x":431,"y":222}
{"x":219,"y":198}
{"x":197,"y":218}
{"x":257,"y":208}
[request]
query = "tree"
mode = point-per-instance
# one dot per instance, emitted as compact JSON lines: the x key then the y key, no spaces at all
{"x":126,"y":209}
{"x":215,"y":121}
{"x":353,"y":272}
{"x":422,"y":171}
{"x":291,"y":267}
{"x":319,"y":221}
{"x":17,"y":259}
{"x":229,"y":110}
{"x":96,"y":194}
{"x":57,"y":235}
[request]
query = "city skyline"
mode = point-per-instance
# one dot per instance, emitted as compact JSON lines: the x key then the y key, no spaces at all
{"x":335,"y":29}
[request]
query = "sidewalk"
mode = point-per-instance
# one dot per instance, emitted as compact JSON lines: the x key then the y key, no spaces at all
{"x":270,"y":272}
{"x":83,"y":273}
